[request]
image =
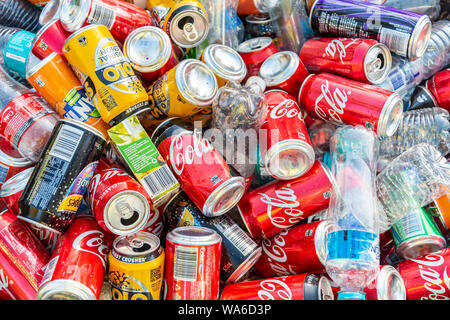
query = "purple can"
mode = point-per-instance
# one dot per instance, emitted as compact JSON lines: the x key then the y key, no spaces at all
{"x":403,"y":32}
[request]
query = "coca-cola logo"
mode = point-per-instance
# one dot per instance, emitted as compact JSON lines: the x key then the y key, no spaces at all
{"x":95,"y":181}
{"x":286,"y":199}
{"x":274,"y":288}
{"x":276,"y":255}
{"x":434,"y":283}
{"x":192,"y":153}
{"x":287,"y":108}
{"x":4,"y":282}
{"x":335,"y":101}
{"x":92,"y":242}
{"x":154,"y":224}
{"x":337,"y":46}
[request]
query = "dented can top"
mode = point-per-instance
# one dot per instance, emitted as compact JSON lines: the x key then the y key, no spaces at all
{"x":377,"y":63}
{"x":74,"y":13}
{"x":194,"y":236}
{"x":148,"y":48}
{"x":391,"y":116}
{"x":225,"y":62}
{"x":196,"y":82}
{"x":254,"y":45}
{"x":420,"y":37}
{"x":279,"y":67}
{"x":390,"y":285}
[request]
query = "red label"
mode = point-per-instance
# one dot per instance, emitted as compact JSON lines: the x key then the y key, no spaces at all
{"x":19,"y":115}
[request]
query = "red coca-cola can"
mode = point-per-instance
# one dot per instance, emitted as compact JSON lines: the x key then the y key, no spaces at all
{"x":426,"y":278}
{"x":47,"y":237}
{"x":294,"y":287}
{"x":119,"y":203}
{"x":363,"y":60}
{"x":150,"y":52}
{"x":296,"y":250}
{"x":439,"y":86}
{"x":254,"y":52}
{"x":155,"y":224}
{"x":341,"y":101}
{"x":77,"y":266}
{"x":288,"y":152}
{"x":12,"y":189}
{"x":22,"y":259}
{"x":50,"y":38}
{"x":7,"y":148}
{"x":201,"y":170}
{"x":284,"y":70}
{"x":192,"y":264}
{"x":10,"y":166}
{"x":278,"y":205}
{"x":120,"y":17}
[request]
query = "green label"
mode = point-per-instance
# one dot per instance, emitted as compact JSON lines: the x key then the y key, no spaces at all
{"x":415,"y":224}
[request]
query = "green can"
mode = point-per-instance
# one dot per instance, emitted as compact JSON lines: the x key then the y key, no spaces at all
{"x":416,"y":234}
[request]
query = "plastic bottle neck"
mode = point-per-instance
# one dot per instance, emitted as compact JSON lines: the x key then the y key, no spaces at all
{"x":351,"y":295}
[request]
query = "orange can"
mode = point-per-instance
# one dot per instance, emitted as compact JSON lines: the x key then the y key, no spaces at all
{"x":442,"y":206}
{"x":183,"y":91}
{"x":57,"y":84}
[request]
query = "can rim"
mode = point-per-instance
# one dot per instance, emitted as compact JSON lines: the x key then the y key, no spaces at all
{"x":320,"y":240}
{"x":238,"y":208}
{"x":65,"y":287}
{"x":406,"y":248}
{"x":325,"y":290}
{"x":83,"y":29}
{"x":264,"y":41}
{"x":379,"y":48}
{"x":78,"y":21}
{"x":152,"y":65}
{"x":40,"y":64}
{"x":234,"y":183}
{"x":414,"y":51}
{"x":245,"y":266}
{"x":290,"y":144}
{"x":40,"y":225}
{"x":50,"y":7}
{"x":301,"y":87}
{"x":13,"y":161}
{"x":219,"y":68}
{"x":210,"y":236}
{"x":150,"y":237}
{"x":249,"y":18}
{"x":385,"y":276}
{"x":144,"y":218}
{"x":155,"y":134}
{"x":174,"y":24}
{"x":185,"y":91}
{"x":19,"y":183}
{"x":286,"y":73}
{"x":393,"y":105}
{"x":84,"y":126}
{"x":311,"y":12}
{"x":429,"y":94}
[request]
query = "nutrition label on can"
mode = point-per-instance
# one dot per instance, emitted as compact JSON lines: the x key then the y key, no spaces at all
{"x":101,"y":14}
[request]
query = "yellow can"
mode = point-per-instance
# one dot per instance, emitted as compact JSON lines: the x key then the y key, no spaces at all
{"x":185,"y":21}
{"x":136,"y":267}
{"x":106,"y":74}
{"x":183,"y":91}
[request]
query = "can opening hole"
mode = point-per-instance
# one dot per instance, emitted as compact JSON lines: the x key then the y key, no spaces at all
{"x":142,"y":248}
{"x":130,"y":220}
{"x":381,"y":57}
{"x":183,"y":21}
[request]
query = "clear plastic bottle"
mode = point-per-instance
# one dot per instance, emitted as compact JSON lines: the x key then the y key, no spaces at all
{"x":320,"y":133}
{"x":429,"y":125}
{"x":238,"y":114}
{"x":290,"y":22}
{"x":30,"y":120}
{"x":353,"y":240}
{"x":21,"y":14}
{"x":412,"y":180}
{"x":406,"y":74}
{"x":431,"y":8}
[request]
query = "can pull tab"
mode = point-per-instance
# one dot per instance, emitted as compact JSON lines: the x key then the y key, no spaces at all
{"x":187,"y":25}
{"x":375,"y":64}
{"x":124,"y":209}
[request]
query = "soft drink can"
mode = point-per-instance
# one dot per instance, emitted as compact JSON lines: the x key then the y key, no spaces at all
{"x":50,"y":38}
{"x":247,"y":7}
{"x":192,"y":264}
{"x":10,"y":166}
{"x":422,"y":99}
{"x":254,"y":52}
{"x":339,"y":100}
{"x":136,"y":267}
{"x":363,"y":60}
{"x":259,"y":25}
{"x":439,"y":86}
{"x":77,"y":266}
{"x":62,"y":175}
{"x":440,"y":208}
{"x":105,"y":73}
{"x":12,"y":189}
{"x":388,"y":285}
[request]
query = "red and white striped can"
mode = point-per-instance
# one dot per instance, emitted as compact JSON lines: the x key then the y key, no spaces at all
{"x":341,"y":101}
{"x":192,"y":266}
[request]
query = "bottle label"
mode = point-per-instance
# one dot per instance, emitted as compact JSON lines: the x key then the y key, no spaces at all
{"x":353,"y":244}
{"x":19,"y":115}
{"x":16,"y":52}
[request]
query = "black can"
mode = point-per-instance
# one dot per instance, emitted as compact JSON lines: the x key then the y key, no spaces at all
{"x":240,"y":251}
{"x":259,"y":25}
{"x":403,"y":32}
{"x":422,"y":98}
{"x":60,"y":178}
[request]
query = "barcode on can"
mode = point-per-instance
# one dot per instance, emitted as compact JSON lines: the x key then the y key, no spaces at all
{"x":66,"y":143}
{"x":396,"y":41}
{"x":185,"y":264}
{"x":101,"y":14}
{"x":412,"y":225}
{"x":49,"y":270}
{"x":240,"y":240}
{"x":159,"y":181}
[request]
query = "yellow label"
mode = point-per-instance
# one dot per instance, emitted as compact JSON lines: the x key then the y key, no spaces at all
{"x":186,"y":219}
{"x":71,"y":203}
{"x":136,"y":281}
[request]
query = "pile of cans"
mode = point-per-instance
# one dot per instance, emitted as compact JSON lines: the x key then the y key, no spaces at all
{"x":111,"y":189}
